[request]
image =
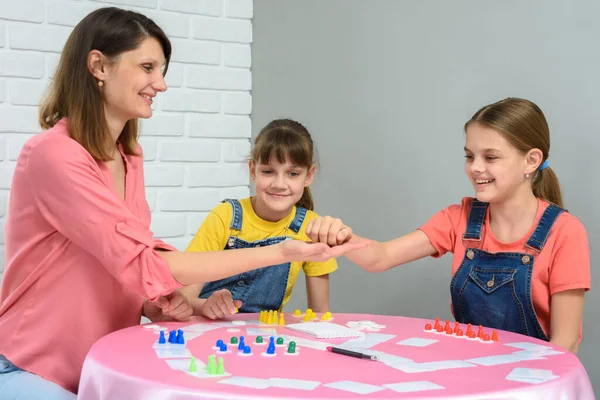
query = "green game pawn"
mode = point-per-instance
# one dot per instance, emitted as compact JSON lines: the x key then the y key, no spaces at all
{"x":193,"y":367}
{"x":220,"y":367}
{"x":279,"y":340}
{"x":234,"y":340}
{"x":292,"y":348}
{"x":259,"y":339}
{"x":211,"y":366}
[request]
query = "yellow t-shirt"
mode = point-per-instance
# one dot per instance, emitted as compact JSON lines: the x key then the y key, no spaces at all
{"x":215,"y":231}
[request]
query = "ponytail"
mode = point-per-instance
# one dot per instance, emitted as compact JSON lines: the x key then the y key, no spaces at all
{"x":546,"y":187}
{"x":306,"y":200}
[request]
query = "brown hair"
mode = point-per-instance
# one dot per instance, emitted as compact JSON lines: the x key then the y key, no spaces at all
{"x":524,"y":125}
{"x":74,"y":92}
{"x":286,"y":139}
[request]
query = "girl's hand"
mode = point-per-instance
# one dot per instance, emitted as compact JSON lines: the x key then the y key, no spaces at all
{"x":297,"y":250}
{"x":219,"y":304}
{"x":329,"y":230}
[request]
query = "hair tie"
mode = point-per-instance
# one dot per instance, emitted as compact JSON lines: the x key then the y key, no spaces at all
{"x":544,"y":165}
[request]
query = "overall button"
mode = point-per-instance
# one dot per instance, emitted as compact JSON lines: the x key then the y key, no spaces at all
{"x":470,"y":254}
{"x":231,"y":242}
{"x":241,"y":283}
{"x":526,"y":259}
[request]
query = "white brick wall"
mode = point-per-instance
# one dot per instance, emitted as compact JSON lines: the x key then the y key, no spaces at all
{"x":195,"y":145}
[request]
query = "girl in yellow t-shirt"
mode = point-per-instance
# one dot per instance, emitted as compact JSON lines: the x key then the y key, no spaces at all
{"x":281,"y":168}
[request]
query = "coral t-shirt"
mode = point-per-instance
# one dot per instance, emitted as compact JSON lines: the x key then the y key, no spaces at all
{"x":563,"y":264}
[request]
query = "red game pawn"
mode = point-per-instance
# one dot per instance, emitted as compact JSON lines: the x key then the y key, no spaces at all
{"x":456,"y":327}
{"x":494,"y":335}
{"x":449,"y":331}
{"x":437,"y":323}
{"x":471,"y":335}
{"x":486,"y":337}
{"x":480,"y":332}
{"x":439,"y":329}
{"x":427,"y":327}
{"x":459,"y":333}
{"x":469,"y":330}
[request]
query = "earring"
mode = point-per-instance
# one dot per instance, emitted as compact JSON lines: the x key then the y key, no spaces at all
{"x":100,"y":83}
{"x":526,"y":175}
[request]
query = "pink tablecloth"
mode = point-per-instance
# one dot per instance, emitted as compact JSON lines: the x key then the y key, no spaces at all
{"x":412,"y":364}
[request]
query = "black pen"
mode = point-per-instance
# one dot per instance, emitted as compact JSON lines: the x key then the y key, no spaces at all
{"x":351,"y":353}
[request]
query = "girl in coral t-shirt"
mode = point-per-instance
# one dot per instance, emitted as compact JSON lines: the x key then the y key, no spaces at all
{"x":521,"y":262}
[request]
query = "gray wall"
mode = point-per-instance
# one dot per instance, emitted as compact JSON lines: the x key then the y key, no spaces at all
{"x":385,"y":88}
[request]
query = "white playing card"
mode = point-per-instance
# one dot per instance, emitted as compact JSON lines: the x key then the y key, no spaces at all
{"x":503,"y":359}
{"x":528,"y":346}
{"x":173,"y":353}
{"x":531,"y":373}
{"x":368,"y":341}
{"x":261,"y":332}
{"x":293,"y":383}
{"x":415,"y":386}
{"x":243,"y":381}
{"x":200,"y":327}
{"x":417,"y":342}
{"x":354,"y":387}
{"x":183,"y":364}
{"x":539,"y":353}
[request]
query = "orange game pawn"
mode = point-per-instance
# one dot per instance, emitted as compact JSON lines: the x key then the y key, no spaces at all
{"x":480,"y":332}
{"x":494,"y":335}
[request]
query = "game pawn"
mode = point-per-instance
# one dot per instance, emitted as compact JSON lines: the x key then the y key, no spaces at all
{"x":291,"y":350}
{"x":193,"y":367}
{"x":211,"y":365}
{"x":221,"y":367}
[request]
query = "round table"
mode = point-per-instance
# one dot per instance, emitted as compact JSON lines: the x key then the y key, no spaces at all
{"x":412,"y":363}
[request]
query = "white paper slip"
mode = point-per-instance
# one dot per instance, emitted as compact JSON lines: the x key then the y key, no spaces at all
{"x":173,"y":353}
{"x":416,"y":386}
{"x":417,"y":342}
{"x":367,"y":341}
{"x":201,"y":328}
{"x":503,"y":359}
{"x":325,"y":330}
{"x":254,"y":383}
{"x":355,"y":387}
{"x":299,"y":384}
{"x":528,"y":346}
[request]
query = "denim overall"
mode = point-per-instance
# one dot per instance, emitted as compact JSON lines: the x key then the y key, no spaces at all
{"x":494,"y":289}
{"x":261,"y":289}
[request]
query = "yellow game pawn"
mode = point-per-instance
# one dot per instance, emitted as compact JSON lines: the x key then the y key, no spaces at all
{"x":326,"y":316}
{"x":275,"y":318}
{"x":306,"y":318}
{"x":261,"y":316}
{"x":297,"y":313}
{"x":309,"y":312}
{"x":281,"y":320}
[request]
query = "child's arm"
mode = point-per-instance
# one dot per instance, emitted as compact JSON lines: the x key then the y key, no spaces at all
{"x":317,"y":293}
{"x":566,"y":313}
{"x":381,"y":256}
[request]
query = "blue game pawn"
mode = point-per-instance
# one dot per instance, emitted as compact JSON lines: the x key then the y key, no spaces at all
{"x":219,"y":343}
{"x":271,"y":348}
{"x":223,"y":347}
{"x":161,"y":338}
{"x":180,"y":339}
{"x":247,"y":350}
{"x":172,"y":337}
{"x":271,"y":339}
{"x":241,"y":345}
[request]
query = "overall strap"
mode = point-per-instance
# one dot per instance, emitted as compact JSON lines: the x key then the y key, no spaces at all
{"x":542,"y":231}
{"x":475,"y":221}
{"x":236,"y":220}
{"x":298,"y":219}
